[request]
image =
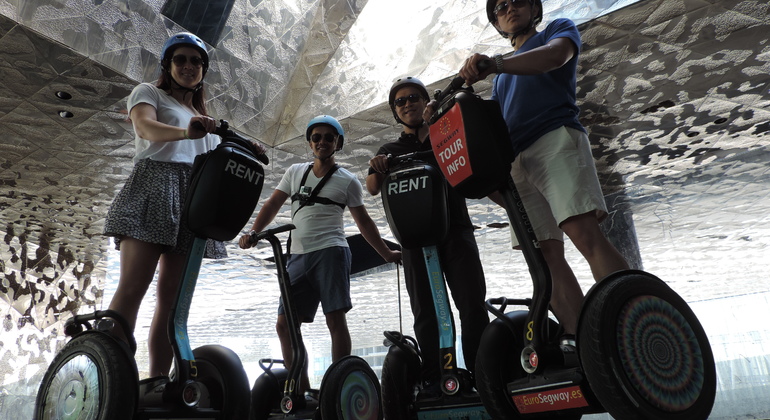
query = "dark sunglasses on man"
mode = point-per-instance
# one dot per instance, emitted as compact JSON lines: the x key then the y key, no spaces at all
{"x":504,"y":6}
{"x":180,"y":60}
{"x":399,"y":102}
{"x":328,"y":137}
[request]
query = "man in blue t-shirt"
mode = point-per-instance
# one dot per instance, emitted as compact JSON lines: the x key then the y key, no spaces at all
{"x":554,"y":170}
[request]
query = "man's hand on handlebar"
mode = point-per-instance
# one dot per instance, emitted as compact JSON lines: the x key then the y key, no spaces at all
{"x":246,"y":242}
{"x":470,"y":70}
{"x":379,"y":163}
{"x":394,"y":256}
{"x":430,"y":108}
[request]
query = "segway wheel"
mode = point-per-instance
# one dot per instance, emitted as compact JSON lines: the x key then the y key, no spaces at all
{"x":644,"y":352}
{"x":91,"y":378}
{"x":221,"y":372}
{"x":399,"y":377}
{"x":267,"y":392}
{"x":497,"y":364}
{"x":350,"y":390}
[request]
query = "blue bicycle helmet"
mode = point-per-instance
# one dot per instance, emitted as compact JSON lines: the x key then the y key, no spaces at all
{"x":186,"y":39}
{"x":327,"y":120}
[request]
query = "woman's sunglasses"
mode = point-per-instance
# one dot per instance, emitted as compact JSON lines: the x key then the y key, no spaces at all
{"x":399,"y":102}
{"x":328,"y":137}
{"x":180,"y":60}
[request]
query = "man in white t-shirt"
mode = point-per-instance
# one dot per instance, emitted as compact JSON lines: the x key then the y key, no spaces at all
{"x":319,"y":256}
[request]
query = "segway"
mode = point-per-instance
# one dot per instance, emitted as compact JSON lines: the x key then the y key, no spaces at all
{"x":412,"y":180}
{"x":640,"y":351}
{"x":349,"y":389}
{"x":94,"y":377}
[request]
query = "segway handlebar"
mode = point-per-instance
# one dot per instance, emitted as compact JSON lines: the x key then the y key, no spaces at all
{"x":409,"y":157}
{"x":255,"y":237}
{"x":223,"y":130}
{"x":458,"y":82}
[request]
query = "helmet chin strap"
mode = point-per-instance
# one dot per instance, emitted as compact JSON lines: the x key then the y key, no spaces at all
{"x":414,"y":127}
{"x":523,"y":31}
{"x":186,"y":89}
{"x":326,"y":158}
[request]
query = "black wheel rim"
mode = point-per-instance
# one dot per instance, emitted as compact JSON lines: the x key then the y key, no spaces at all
{"x":660,"y":353}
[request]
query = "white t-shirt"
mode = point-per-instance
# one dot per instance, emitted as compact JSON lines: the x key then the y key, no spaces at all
{"x":318,"y":225}
{"x":170,"y":112}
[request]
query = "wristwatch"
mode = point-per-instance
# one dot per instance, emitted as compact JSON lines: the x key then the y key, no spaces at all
{"x":498,"y":63}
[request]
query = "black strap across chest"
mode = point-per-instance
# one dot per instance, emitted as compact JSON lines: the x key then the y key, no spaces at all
{"x":313,"y":197}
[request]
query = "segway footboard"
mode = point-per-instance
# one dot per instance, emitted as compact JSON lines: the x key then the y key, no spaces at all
{"x":509,"y":392}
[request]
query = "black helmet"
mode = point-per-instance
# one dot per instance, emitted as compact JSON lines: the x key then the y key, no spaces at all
{"x":533,"y":23}
{"x":330,"y":121}
{"x":398,"y":84}
{"x":186,"y":39}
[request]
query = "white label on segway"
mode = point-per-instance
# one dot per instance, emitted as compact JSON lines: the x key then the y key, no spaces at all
{"x":553,"y":400}
{"x":243,"y":172}
{"x":406,"y":185}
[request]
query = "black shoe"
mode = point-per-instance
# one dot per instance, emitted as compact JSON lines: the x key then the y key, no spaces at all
{"x":311,"y":398}
{"x":151,"y":391}
{"x":567,"y":343}
{"x":430,"y":390}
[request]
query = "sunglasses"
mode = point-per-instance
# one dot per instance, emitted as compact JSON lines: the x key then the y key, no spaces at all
{"x":180,"y":60}
{"x":399,"y":102}
{"x":503,"y":7}
{"x":328,"y":137}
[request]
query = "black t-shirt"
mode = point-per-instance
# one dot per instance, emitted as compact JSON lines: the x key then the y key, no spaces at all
{"x":408,"y":143}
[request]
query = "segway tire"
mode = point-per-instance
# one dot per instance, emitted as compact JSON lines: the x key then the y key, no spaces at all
{"x":220,"y":370}
{"x":266,"y":393}
{"x":91,"y":378}
{"x":350,"y":391}
{"x":644,"y":352}
{"x":399,"y":378}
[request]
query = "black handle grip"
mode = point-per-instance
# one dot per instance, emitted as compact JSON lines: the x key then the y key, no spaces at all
{"x":255,"y":237}
{"x":407,"y":157}
{"x":458,"y":81}
{"x":224,"y":131}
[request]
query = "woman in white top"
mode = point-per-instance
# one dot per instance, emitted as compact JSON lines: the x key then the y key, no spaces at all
{"x":145,"y":217}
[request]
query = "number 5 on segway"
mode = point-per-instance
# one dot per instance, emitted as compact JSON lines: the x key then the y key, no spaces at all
{"x":641,"y":352}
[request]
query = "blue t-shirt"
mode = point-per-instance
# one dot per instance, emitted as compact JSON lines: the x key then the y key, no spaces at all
{"x":534,"y":105}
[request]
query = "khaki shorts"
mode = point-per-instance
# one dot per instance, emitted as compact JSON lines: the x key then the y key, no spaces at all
{"x":556,"y":178}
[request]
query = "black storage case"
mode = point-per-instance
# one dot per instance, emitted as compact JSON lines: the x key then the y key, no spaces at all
{"x":414,"y":197}
{"x":471,"y":144}
{"x":225,"y":186}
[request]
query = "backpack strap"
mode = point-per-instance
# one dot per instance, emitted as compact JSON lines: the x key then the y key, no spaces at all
{"x":312,"y":198}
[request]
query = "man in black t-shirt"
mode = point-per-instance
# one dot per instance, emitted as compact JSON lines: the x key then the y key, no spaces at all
{"x":458,"y":254}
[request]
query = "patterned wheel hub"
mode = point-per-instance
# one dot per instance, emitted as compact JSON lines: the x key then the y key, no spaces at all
{"x":358,"y":397}
{"x":660,"y":353}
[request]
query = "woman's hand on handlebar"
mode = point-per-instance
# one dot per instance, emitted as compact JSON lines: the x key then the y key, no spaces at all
{"x":470,"y":71}
{"x":379,"y":163}
{"x":199,"y":126}
{"x":260,"y":149}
